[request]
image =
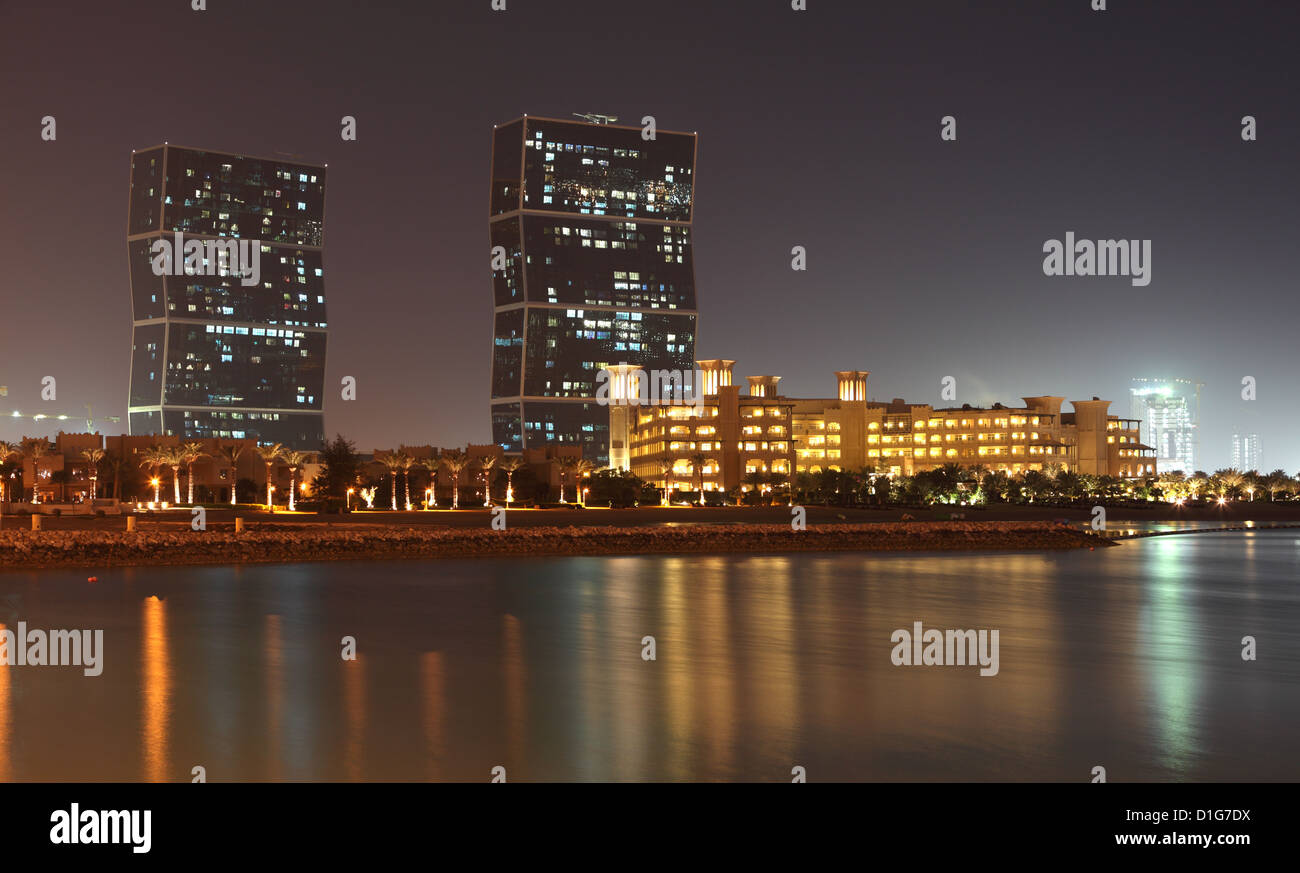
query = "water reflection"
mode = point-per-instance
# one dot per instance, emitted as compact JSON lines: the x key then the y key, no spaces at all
{"x":156,"y":696}
{"x":1127,"y":657}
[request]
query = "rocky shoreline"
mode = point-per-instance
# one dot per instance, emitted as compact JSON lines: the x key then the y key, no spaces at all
{"x":38,"y":549}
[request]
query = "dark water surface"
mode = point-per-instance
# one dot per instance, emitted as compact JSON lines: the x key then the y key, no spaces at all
{"x":1128,"y":658}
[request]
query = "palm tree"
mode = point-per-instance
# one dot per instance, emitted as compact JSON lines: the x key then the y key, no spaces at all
{"x":567,"y":466}
{"x":191,"y":452}
{"x":394,"y":462}
{"x":93,"y":457}
{"x":581,"y":468}
{"x":511,"y":465}
{"x":455,"y":461}
{"x":294,"y":460}
{"x":1273,"y":483}
{"x":270,"y":454}
{"x":117,"y":464}
{"x":230,"y":454}
{"x":1229,"y":481}
{"x":666,"y":470}
{"x":698,"y":460}
{"x":431,"y":464}
{"x":485,"y":464}
{"x":175,"y":460}
{"x":8,"y":451}
{"x":35,"y":448}
{"x":407,"y":463}
{"x":153,"y":458}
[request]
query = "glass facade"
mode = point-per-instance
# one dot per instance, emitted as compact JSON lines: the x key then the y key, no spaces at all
{"x":599,"y":269}
{"x":216,"y":354}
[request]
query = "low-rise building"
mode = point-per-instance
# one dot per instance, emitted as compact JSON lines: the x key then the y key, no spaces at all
{"x":723,"y":438}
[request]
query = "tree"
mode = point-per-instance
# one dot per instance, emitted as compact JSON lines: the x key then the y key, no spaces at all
{"x":153,"y":458}
{"x":665,"y":470}
{"x":270,"y":454}
{"x":431,"y":464}
{"x":230,"y":453}
{"x":340,"y":467}
{"x":407,"y":463}
{"x":190,"y":452}
{"x":175,"y":460}
{"x":510,"y":465}
{"x":1226,"y":482}
{"x":294,"y":460}
{"x":485,"y":464}
{"x":455,"y":461}
{"x":568,"y":467}
{"x":61,"y":478}
{"x":617,"y":488}
{"x":93,"y":457}
{"x":1172,"y":484}
{"x":394,"y":461}
{"x":35,"y":448}
{"x":1275,"y":482}
{"x":116,"y":463}
{"x":582,"y":469}
{"x":698,"y":460}
{"x":8,"y":452}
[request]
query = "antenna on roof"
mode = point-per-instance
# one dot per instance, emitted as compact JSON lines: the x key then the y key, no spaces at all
{"x":596,"y":118}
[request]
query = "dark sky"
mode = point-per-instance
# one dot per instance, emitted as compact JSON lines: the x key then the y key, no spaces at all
{"x":818,"y":128}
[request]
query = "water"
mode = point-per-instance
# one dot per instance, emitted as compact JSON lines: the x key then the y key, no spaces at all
{"x":1128,"y":658}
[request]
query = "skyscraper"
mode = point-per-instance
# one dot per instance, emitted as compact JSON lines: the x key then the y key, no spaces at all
{"x":1246,"y":455}
{"x":226,"y":342}
{"x":1171,"y":410}
{"x":590,"y":228}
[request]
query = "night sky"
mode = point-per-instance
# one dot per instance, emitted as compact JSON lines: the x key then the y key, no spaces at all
{"x":817,"y":128}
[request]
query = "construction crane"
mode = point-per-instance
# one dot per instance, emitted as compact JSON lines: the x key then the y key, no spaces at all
{"x":39,"y":416}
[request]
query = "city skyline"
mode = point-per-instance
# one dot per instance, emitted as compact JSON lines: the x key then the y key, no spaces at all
{"x":900,"y":277}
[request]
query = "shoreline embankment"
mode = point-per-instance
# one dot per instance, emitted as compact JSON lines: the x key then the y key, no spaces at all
{"x":282,"y":544}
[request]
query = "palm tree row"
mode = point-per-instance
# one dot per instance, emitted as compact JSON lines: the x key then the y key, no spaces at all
{"x":455,"y":462}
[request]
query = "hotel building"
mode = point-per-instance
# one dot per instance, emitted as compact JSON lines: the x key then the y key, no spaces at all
{"x":594,"y":223}
{"x":729,"y":436}
{"x":212,"y":357}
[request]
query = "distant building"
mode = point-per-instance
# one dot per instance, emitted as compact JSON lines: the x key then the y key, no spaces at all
{"x":733,"y":436}
{"x":1246,"y":453}
{"x":595,"y":225}
{"x":215,"y":354}
{"x":1171,"y":411}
